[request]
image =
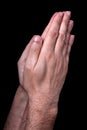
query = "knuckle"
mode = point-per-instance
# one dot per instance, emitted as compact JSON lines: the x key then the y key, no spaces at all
{"x":28,"y":66}
{"x":53,"y":34}
{"x":62,"y":36}
{"x":49,"y":56}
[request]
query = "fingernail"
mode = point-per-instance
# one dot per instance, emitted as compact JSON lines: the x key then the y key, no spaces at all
{"x":37,"y":39}
{"x":68,"y":13}
{"x":55,"y":14}
{"x":61,"y":13}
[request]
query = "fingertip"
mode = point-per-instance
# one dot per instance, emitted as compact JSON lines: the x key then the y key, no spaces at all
{"x":71,"y":41}
{"x":71,"y":22}
{"x":68,"y":13}
{"x":54,"y":14}
{"x":70,"y":26}
{"x":72,"y":37}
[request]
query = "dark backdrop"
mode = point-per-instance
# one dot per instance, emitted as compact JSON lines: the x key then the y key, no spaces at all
{"x":19,"y":22}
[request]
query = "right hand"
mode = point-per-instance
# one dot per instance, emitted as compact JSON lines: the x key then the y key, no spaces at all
{"x":22,"y":60}
{"x":45,"y":62}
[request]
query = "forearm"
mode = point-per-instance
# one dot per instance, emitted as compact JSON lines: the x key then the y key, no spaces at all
{"x":16,"y":113}
{"x":24,"y":119}
{"x":40,"y":116}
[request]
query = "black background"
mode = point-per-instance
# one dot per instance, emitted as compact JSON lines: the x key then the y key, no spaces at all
{"x":19,"y":22}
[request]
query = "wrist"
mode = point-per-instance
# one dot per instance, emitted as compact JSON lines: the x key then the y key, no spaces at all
{"x":43,"y":103}
{"x":48,"y":112}
{"x":21,"y":91}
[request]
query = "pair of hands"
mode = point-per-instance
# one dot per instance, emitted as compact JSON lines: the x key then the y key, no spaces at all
{"x":44,"y":63}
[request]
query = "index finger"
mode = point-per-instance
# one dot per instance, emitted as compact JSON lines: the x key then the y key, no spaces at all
{"x":48,"y":26}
